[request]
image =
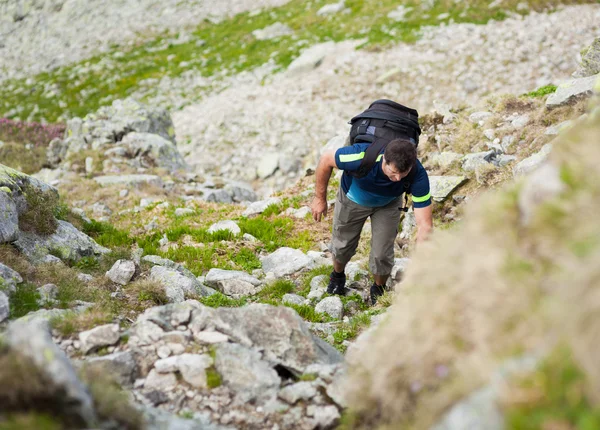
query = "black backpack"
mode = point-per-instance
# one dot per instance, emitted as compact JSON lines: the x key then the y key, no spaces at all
{"x":381,"y":123}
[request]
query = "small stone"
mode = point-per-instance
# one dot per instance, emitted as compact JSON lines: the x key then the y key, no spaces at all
{"x":179,"y":212}
{"x":160,"y":381}
{"x":331,"y":306}
{"x":211,"y":337}
{"x":121,"y":272}
{"x":98,"y":337}
{"x":163,"y":351}
{"x":293,"y":299}
{"x":123,"y":193}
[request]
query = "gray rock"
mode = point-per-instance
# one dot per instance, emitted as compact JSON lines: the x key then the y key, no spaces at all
{"x":332,"y":8}
{"x":227,"y":225}
{"x":9,"y":278}
{"x":541,"y":185}
{"x":214,"y":276}
{"x":294,"y":299}
{"x":154,"y":150}
{"x":84,"y":277}
{"x":299,"y":391}
{"x":471,"y":162}
{"x":241,"y":192}
{"x":160,"y":381}
{"x":67,"y":242}
{"x":176,"y":284}
{"x":48,"y":293}
{"x":33,"y":340}
{"x":9,"y":217}
{"x":531,"y":163}
{"x":354,"y":271}
{"x":443,"y":186}
{"x":129,"y":180}
{"x":98,"y":337}
{"x":158,"y":419}
{"x":520,"y":121}
{"x":572,"y":90}
{"x":590,"y":60}
{"x":44,"y":316}
{"x":273,"y":31}
{"x":121,"y":272}
{"x":260,"y":206}
{"x":302,"y":212}
{"x":311,"y":58}
{"x":191,"y":366}
{"x":243,"y":370}
{"x":159,"y":261}
{"x":268,"y":164}
{"x":409,"y":223}
{"x":179,"y":212}
{"x":331,"y":306}
{"x":121,"y":366}
{"x":480,"y":117}
{"x":445,"y":159}
{"x":324,"y":416}
{"x":400,"y":266}
{"x":216,"y":196}
{"x":319,"y":282}
{"x":237,"y":288}
{"x":211,"y":337}
{"x":477,"y":411}
{"x":279,"y":331}
{"x":503,"y":160}
{"x":100,"y":210}
{"x":285,"y":261}
{"x":4,"y":307}
{"x":558,"y":128}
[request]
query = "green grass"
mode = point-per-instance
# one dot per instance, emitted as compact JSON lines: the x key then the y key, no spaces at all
{"x":219,"y":300}
{"x":230,"y":48}
{"x":557,"y":398}
{"x":308,"y":313}
{"x":24,"y":300}
{"x":542,"y":91}
{"x":276,"y":290}
{"x":349,"y":331}
{"x":29,"y":421}
{"x":107,"y":235}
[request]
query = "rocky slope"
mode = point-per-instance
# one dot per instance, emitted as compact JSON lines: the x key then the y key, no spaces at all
{"x":205,"y":304}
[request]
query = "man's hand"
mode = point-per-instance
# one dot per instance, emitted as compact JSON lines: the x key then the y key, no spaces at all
{"x":319,"y":208}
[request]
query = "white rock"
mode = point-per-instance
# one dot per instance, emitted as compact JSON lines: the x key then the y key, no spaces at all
{"x":273,"y":31}
{"x":285,"y":261}
{"x":98,"y":337}
{"x":211,"y":337}
{"x":184,"y":211}
{"x":121,"y":272}
{"x":4,"y":307}
{"x":227,"y":225}
{"x":332,"y":8}
{"x":160,"y":381}
{"x":331,"y":306}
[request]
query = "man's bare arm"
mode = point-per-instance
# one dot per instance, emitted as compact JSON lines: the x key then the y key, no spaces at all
{"x":424,"y":219}
{"x":323,"y":174}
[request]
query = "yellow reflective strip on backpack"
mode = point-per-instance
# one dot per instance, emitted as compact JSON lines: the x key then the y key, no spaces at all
{"x":421,"y":199}
{"x":379,"y":158}
{"x":348,"y":158}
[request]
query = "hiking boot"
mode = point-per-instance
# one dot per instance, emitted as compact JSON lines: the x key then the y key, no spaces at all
{"x":376,"y":292}
{"x":336,"y":284}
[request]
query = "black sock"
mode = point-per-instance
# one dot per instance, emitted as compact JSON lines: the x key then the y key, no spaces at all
{"x":338,"y":274}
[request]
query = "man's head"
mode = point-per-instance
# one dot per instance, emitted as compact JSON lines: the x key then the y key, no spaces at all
{"x":399,"y":157}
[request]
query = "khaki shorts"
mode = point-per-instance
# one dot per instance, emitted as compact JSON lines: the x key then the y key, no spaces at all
{"x":348,"y":221}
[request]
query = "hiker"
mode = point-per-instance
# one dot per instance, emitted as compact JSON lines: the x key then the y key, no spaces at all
{"x":378,"y":168}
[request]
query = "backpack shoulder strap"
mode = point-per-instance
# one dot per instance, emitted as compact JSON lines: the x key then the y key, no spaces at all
{"x":371,"y":154}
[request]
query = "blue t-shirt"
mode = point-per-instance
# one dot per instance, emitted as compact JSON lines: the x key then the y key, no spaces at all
{"x":376,"y":189}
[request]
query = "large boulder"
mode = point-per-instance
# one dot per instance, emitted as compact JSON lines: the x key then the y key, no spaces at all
{"x":9,"y":278}
{"x":572,"y":90}
{"x":176,"y":284}
{"x":279,"y":331}
{"x":67,"y":243}
{"x":286,"y":261}
{"x":154,"y":150}
{"x":33,"y":341}
{"x":443,"y":186}
{"x":590,"y":60}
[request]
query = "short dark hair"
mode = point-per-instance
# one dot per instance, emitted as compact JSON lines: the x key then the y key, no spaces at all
{"x":402,"y":153}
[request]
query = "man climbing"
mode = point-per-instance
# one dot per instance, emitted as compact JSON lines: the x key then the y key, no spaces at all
{"x":372,"y":189}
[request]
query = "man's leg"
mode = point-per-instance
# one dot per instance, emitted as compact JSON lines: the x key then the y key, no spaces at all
{"x":384,"y":229}
{"x":348,"y":221}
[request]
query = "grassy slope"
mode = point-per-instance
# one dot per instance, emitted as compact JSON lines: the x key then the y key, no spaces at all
{"x":228,"y":48}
